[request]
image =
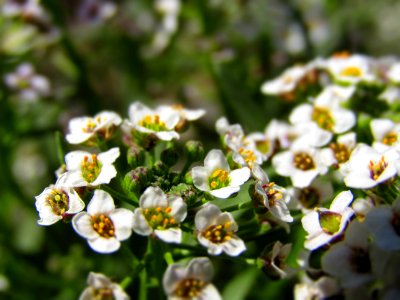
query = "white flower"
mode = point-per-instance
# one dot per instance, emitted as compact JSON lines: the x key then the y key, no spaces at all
{"x":149,"y":121}
{"x":94,"y":11}
{"x":87,"y":169}
{"x":323,"y":225}
{"x":101,"y":287}
{"x":286,"y":82}
{"x":84,"y":129}
{"x":323,"y":288}
{"x":29,"y":85}
{"x":384,"y":224}
{"x":350,"y":260}
{"x":273,"y":260}
{"x":335,"y":94}
{"x":190,"y":282}
{"x":273,"y":196}
{"x":393,"y":73}
{"x":339,"y":152}
{"x":159,"y":215}
{"x":56,"y":203}
{"x":103,"y":225}
{"x":391,"y":94}
{"x":216,"y":231}
{"x":27,"y":8}
{"x":217,"y":178}
{"x":185,"y":114}
{"x":232,"y":134}
{"x":386,"y":134}
{"x":301,"y":163}
{"x":367,"y":167}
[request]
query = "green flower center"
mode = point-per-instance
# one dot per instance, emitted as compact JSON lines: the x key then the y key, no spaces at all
{"x":159,"y":218}
{"x":303,"y":161}
{"x":189,"y":288}
{"x":153,"y":122}
{"x":341,"y":152}
{"x":59,"y":201}
{"x":329,"y":221}
{"x":91,"y":168}
{"x":376,"y":169}
{"x":263,"y":146}
{"x":219,"y":179}
{"x":218,"y":233}
{"x":103,"y":294}
{"x":323,"y":118}
{"x":390,"y":138}
{"x":103,"y":225}
{"x":309,"y":197}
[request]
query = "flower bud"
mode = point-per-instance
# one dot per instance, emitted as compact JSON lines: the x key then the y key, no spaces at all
{"x":136,"y":156}
{"x":194,"y":151}
{"x":136,"y":179}
{"x":160,"y":168}
{"x":169,"y":157}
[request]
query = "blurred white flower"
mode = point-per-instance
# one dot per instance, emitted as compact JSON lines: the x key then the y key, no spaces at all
{"x":386,"y":134}
{"x":190,"y":282}
{"x":159,"y":215}
{"x":103,"y":225}
{"x":96,"y":11}
{"x":216,"y":177}
{"x":216,"y":230}
{"x":101,"y":287}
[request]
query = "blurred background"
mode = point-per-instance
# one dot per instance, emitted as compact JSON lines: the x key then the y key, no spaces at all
{"x":90,"y":55}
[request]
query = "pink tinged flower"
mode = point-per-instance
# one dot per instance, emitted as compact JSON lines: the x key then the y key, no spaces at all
{"x":190,"y":282}
{"x":148,"y":121}
{"x":323,"y":225}
{"x":103,"y":225}
{"x":384,"y":224}
{"x":101,"y":287}
{"x":350,"y":260}
{"x":367,"y":167}
{"x":216,"y":177}
{"x":85,"y":129}
{"x":386,"y":134}
{"x":160,"y":215}
{"x":87,"y":169}
{"x":301,"y":163}
{"x":56,"y":203}
{"x":272,"y":196}
{"x":216,"y":230}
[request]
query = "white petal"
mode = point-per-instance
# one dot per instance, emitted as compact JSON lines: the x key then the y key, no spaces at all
{"x":227,"y":217}
{"x":104,"y":245}
{"x":301,"y":114}
{"x":75,"y":203}
{"x":153,"y":197}
{"x":239,"y":176}
{"x":341,"y":201}
{"x":200,"y":268}
{"x":140,"y":225}
{"x":178,"y":208}
{"x":82,"y":223}
{"x":311,"y":223}
{"x":206,"y":216}
{"x":234,"y":246}
{"x":74,"y":138}
{"x":167,"y":135}
{"x":109,"y":156}
{"x":344,"y":120}
{"x":72,"y":179}
{"x":210,"y":293}
{"x":101,"y":203}
{"x":302,"y":179}
{"x":107,"y":173}
{"x":172,"y":276}
{"x":123,"y":222}
{"x":317,"y":241}
{"x":215,"y":159}
{"x":224,"y":192}
{"x":200,"y":177}
{"x":171,"y":235}
{"x":47,"y":216}
{"x":73,"y":160}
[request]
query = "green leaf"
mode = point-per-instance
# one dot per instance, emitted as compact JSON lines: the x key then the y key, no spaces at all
{"x":241,"y":285}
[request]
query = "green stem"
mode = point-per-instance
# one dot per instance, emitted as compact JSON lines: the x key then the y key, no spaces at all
{"x":126,"y":282}
{"x":143,"y":285}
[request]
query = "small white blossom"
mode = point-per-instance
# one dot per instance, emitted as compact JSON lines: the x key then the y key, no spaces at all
{"x":216,"y":177}
{"x":323,"y":288}
{"x":148,"y":121}
{"x":367,"y":167}
{"x":391,"y":95}
{"x":101,"y":287}
{"x":185,"y":114}
{"x":96,"y":11}
{"x":386,"y":134}
{"x":273,"y":260}
{"x":103,"y":225}
{"x":393,"y":73}
{"x":56,"y":203}
{"x":216,"y":230}
{"x":323,"y":225}
{"x":190,"y":282}
{"x":159,"y":215}
{"x":102,"y":125}
{"x":87,"y":169}
{"x":26,"y":8}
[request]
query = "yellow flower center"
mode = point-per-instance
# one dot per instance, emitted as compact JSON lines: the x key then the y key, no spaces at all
{"x":103,"y":294}
{"x":153,"y":122}
{"x":159,"y":218}
{"x":189,"y":288}
{"x":91,"y":168}
{"x":90,"y":126}
{"x":351,"y":71}
{"x":390,"y":138}
{"x":272,"y":193}
{"x":103,"y":225}
{"x":303,"y":161}
{"x":59,"y":201}
{"x":218,"y":233}
{"x":341,"y":152}
{"x":248,"y":156}
{"x":219,"y":179}
{"x":323,"y":117}
{"x":376,"y":169}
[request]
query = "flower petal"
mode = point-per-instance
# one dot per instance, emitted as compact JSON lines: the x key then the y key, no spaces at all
{"x":101,"y":203}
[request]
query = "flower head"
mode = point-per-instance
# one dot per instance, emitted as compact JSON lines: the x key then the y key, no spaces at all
{"x":386,"y":134}
{"x":185,"y":114}
{"x":87,"y":169}
{"x":190,"y":282}
{"x":323,"y":225}
{"x":56,"y":203}
{"x":159,"y":215}
{"x":217,"y":178}
{"x":87,"y":129}
{"x":102,"y":288}
{"x":103,"y":225}
{"x":217,"y":231}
